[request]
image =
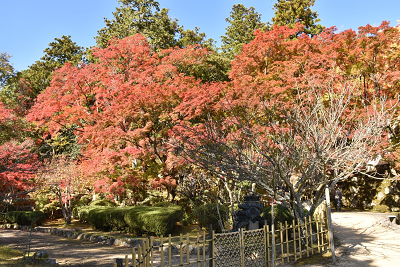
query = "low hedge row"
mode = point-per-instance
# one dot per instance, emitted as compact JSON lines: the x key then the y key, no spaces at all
{"x":137,"y":220}
{"x":25,"y":217}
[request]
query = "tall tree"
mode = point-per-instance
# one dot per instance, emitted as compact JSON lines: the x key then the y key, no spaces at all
{"x":242,"y":24}
{"x":123,"y":106}
{"x":147,"y":18}
{"x":293,"y":115}
{"x":21,"y":90}
{"x":6,"y":69}
{"x":290,"y":12}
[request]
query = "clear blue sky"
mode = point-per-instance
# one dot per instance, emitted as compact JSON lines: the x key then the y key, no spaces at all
{"x":28,"y":26}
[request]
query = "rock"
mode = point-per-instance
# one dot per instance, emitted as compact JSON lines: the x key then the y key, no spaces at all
{"x":81,"y":237}
{"x":51,"y":261}
{"x":41,"y":254}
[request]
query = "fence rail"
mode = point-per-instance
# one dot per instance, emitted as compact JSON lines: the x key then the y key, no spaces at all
{"x":293,"y":241}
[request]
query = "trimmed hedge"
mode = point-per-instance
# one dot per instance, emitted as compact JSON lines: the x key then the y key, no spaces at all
{"x":137,"y":220}
{"x":281,"y":214}
{"x":208,"y":214}
{"x":25,"y":217}
{"x":153,"y":220}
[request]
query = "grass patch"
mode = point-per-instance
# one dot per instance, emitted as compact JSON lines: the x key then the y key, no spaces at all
{"x":15,"y":258}
{"x":8,"y":253}
{"x":316,"y":259}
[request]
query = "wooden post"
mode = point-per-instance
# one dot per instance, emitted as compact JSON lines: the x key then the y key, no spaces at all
{"x":328,"y":205}
{"x":133,"y":257}
{"x":187,"y":248}
{"x":126,"y":261}
{"x":273,"y":233}
{"x":162,"y":250}
{"x":241,"y":247}
{"x":211,"y":247}
{"x":169,"y":250}
{"x":268,"y":253}
{"x":287,"y":241}
{"x":180,"y":250}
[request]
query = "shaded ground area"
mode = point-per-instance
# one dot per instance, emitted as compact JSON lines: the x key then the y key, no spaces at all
{"x":67,"y":252}
{"x":366,"y":239}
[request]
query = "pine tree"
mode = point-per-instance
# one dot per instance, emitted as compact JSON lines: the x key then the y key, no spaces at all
{"x":290,"y":12}
{"x":242,"y":24}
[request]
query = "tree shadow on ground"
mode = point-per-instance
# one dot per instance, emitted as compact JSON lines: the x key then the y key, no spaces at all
{"x":66,"y":251}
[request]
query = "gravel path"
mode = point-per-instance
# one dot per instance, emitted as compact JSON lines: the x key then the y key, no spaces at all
{"x":67,"y":252}
{"x":367,"y":239}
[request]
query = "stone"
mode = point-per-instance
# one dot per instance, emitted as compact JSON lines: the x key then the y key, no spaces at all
{"x":41,"y":254}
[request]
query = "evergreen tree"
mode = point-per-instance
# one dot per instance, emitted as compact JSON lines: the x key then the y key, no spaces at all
{"x":290,"y":12}
{"x":6,"y":69}
{"x":147,"y":18}
{"x":242,"y":24}
{"x":23,"y":87}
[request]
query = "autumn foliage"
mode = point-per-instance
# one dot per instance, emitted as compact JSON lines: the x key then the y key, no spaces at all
{"x":126,"y":106}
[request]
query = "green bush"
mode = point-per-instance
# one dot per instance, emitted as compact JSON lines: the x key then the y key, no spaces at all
{"x":153,"y":220}
{"x":25,"y":217}
{"x":103,"y":202}
{"x":137,"y":220}
{"x":208,"y":214}
{"x":82,"y":213}
{"x":164,"y":204}
{"x":281,"y":214}
{"x":108,"y":218}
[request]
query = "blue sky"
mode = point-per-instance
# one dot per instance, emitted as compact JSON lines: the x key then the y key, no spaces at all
{"x":27,"y":26}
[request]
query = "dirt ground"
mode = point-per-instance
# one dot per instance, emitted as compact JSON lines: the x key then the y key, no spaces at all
{"x":67,"y":252}
{"x":366,"y":239}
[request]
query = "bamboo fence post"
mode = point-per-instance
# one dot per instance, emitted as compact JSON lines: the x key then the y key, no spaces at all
{"x":328,"y":205}
{"x":204,"y":248}
{"x":265,"y":244}
{"x":241,"y":247}
{"x":268,"y":246}
{"x":187,"y":248}
{"x":162,"y":250}
{"x":281,"y":240}
{"x":147,"y":254}
{"x":318,"y":235}
{"x":198,"y":249}
{"x":151,"y":243}
{"x":133,"y":257}
{"x":126,"y":261}
{"x":306,"y":236}
{"x":139,"y":256}
{"x":312,"y":237}
{"x":287,"y":242}
{"x":169,"y":250}
{"x":299,"y":229}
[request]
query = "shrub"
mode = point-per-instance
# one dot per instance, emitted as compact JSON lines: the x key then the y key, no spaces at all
{"x":153,"y":220}
{"x":164,"y":204}
{"x":103,"y":202}
{"x":208,"y":214}
{"x":81,"y":213}
{"x":281,"y":214}
{"x":137,"y":220}
{"x":25,"y":217}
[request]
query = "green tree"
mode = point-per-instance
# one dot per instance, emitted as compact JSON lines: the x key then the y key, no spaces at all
{"x":6,"y":69}
{"x":242,"y":24}
{"x":147,"y":18}
{"x":38,"y":76}
{"x":290,"y":12}
{"x":22,"y":88}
